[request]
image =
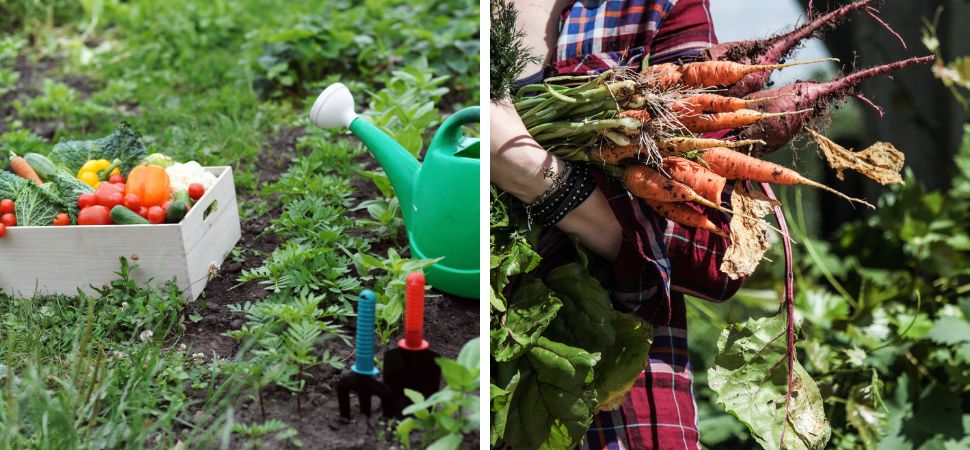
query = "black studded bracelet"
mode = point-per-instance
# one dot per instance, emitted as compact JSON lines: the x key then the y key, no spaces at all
{"x":565,"y":194}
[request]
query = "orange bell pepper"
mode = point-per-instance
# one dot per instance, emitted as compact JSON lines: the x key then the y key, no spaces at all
{"x":150,"y":183}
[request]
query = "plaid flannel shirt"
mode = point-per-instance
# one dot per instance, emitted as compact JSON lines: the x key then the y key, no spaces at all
{"x":659,"y":261}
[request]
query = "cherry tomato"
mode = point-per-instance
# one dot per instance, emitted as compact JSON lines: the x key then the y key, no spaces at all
{"x":116,"y":179}
{"x":3,"y":230}
{"x":166,"y":205}
{"x":143,"y":211}
{"x":156,"y":214}
{"x":9,"y":220}
{"x":85,"y":200}
{"x":6,"y":206}
{"x":61,"y":220}
{"x":94,"y":215}
{"x":196,"y":191}
{"x":132,"y":202}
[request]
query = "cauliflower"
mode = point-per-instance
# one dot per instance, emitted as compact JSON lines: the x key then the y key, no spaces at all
{"x":180,"y":176}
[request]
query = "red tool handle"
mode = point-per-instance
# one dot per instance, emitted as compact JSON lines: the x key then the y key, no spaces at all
{"x":414,"y":314}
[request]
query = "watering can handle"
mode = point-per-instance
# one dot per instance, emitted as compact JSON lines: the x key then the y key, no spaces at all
{"x":449,"y":134}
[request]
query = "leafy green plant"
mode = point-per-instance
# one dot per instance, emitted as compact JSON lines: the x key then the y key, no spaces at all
{"x":257,"y":433}
{"x":405,"y":107}
{"x":285,"y":334}
{"x":442,"y":419}
{"x":556,"y":332}
{"x":389,"y":284}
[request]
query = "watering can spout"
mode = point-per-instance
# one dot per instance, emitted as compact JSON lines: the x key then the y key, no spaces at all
{"x":334,"y":108}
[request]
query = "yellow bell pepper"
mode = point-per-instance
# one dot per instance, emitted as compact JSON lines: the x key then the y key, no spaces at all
{"x":95,"y":171}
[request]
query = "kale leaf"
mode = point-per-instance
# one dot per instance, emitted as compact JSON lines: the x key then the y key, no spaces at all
{"x":123,"y":143}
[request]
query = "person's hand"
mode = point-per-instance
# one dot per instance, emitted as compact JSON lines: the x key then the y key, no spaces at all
{"x":524,"y":169}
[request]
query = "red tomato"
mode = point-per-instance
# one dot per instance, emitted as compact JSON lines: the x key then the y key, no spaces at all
{"x":105,"y":191}
{"x":61,"y":220}
{"x":3,"y":230}
{"x":9,"y":220}
{"x":6,"y":206}
{"x":166,"y":205}
{"x":94,"y":215}
{"x":85,"y":200}
{"x":196,"y":191}
{"x":116,"y":179}
{"x":132,"y":202}
{"x":156,"y":214}
{"x":115,"y":199}
{"x":143,"y":211}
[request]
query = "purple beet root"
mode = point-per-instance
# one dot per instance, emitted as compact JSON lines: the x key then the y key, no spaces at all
{"x":807,"y":95}
{"x":774,"y":49}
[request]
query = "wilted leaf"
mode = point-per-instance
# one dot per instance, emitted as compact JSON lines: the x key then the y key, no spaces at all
{"x":749,"y":239}
{"x":751,"y":380}
{"x":880,"y":162}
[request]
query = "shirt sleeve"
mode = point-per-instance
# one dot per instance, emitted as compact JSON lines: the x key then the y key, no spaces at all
{"x":684,"y":33}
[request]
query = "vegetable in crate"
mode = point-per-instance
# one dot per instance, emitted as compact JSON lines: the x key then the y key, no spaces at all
{"x":123,"y":144}
{"x":183,"y":175}
{"x":96,"y":171}
{"x":150,"y":183}
{"x":22,"y":168}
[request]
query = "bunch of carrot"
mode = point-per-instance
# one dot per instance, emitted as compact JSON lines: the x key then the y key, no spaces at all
{"x":646,"y":126}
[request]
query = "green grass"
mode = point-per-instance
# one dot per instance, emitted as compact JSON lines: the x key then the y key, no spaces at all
{"x":217,"y":81}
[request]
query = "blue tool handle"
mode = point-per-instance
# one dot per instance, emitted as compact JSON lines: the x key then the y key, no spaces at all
{"x":364,"y":362}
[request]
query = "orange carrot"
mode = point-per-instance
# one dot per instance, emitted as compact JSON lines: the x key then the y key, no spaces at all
{"x":649,"y":184}
{"x":704,"y":182}
{"x":22,"y":168}
{"x":678,"y":145}
{"x":641,"y":115}
{"x":725,"y":73}
{"x":738,"y":166}
{"x":663,"y":76}
{"x":713,"y":103}
{"x":685,"y":215}
{"x":615,"y":154}
{"x":724,"y":121}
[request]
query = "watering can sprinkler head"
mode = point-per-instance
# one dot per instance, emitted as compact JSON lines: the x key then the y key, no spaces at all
{"x":334,"y":108}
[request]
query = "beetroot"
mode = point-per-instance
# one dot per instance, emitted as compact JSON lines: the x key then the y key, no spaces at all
{"x":773,"y":49}
{"x":779,"y":131}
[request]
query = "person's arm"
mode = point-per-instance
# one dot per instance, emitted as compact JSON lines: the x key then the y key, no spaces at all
{"x":524,"y":169}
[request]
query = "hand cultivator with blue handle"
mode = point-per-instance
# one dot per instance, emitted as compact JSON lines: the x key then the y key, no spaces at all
{"x":362,"y":378}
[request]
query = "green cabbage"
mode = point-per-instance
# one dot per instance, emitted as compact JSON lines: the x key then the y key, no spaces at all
{"x":10,"y":185}
{"x":37,"y":205}
{"x":68,"y":189}
{"x":123,"y":143}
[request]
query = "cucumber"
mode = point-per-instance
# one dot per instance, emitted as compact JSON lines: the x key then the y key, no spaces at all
{"x":178,"y":209}
{"x":43,"y":166}
{"x":124,"y":216}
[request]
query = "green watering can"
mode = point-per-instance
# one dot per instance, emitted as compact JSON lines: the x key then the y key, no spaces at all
{"x":439,"y":197}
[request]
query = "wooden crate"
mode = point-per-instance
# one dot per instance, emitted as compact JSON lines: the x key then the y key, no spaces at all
{"x":47,"y":260}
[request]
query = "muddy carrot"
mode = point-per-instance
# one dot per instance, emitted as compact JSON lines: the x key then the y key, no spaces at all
{"x":724,"y":121}
{"x":679,"y":145}
{"x":685,"y":215}
{"x":702,"y":181}
{"x":725,"y":73}
{"x":738,"y":166}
